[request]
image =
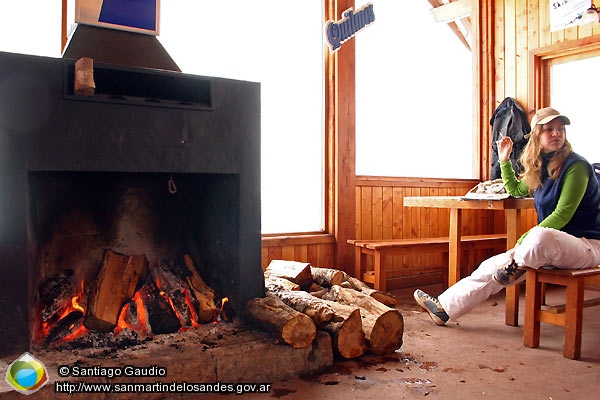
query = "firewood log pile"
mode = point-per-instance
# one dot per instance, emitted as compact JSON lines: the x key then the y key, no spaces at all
{"x":301,"y":298}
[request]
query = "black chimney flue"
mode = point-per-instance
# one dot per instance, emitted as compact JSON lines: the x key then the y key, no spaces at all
{"x":116,"y":47}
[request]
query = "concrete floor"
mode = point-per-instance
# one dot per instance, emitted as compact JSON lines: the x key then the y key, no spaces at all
{"x":477,"y":356}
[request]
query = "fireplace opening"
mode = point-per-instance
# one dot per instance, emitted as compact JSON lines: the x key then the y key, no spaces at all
{"x":118,"y":257}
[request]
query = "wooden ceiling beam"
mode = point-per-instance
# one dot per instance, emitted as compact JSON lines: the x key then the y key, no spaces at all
{"x":452,"y":11}
{"x":437,"y":4}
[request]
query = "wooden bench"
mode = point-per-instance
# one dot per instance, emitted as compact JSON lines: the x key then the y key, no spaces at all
{"x":379,"y":249}
{"x":569,"y":315}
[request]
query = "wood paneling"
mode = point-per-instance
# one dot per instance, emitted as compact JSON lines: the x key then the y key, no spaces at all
{"x":316,"y":249}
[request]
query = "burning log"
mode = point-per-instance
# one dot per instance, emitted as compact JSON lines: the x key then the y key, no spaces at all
{"x":55,"y":295}
{"x":347,"y":335}
{"x":297,"y":272}
{"x":161,"y":316}
{"x":319,"y":311}
{"x":203,"y":293}
{"x":178,"y":292}
{"x":115,"y":284}
{"x":327,"y":277}
{"x":362,"y":287}
{"x":286,"y":324}
{"x":383,"y":326}
{"x":65,"y":327}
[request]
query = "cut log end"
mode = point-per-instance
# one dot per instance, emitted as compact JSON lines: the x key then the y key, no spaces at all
{"x":350,"y":339}
{"x":299,"y":331}
{"x":387,"y":332}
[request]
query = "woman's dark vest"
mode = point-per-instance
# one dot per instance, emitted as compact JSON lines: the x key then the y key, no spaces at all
{"x":586,"y":220}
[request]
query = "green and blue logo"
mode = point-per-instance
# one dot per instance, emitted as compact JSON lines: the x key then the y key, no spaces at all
{"x":26,"y":374}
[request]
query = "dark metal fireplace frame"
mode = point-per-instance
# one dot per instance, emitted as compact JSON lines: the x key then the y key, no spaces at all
{"x":139,"y":121}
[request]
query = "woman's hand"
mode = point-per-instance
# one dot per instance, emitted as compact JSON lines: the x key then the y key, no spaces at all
{"x":505,"y":146}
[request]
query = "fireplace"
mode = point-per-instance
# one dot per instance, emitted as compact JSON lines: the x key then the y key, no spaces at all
{"x":156,"y":162}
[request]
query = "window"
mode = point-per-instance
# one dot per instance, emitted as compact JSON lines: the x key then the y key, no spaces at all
{"x":414,"y":90}
{"x":31,"y":27}
{"x":279,"y":44}
{"x":572,"y":86}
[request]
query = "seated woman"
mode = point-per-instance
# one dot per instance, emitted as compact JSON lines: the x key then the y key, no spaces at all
{"x":567,"y":202}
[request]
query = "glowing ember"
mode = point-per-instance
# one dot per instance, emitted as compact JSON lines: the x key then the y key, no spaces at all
{"x":77,"y":330}
{"x":121,"y":323}
{"x":140,"y":312}
{"x":188,"y":301}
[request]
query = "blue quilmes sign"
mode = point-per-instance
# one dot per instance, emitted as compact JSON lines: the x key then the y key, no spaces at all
{"x":351,"y":22}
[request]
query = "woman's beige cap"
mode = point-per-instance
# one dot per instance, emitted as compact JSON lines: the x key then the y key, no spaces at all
{"x":545,"y":115}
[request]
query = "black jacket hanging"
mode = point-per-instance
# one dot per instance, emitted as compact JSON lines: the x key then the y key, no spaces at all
{"x":510,"y":120}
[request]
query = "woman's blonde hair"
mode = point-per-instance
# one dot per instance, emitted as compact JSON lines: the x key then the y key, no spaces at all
{"x":531,"y":160}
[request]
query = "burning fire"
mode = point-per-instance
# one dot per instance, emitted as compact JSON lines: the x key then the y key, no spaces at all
{"x":75,"y":328}
{"x":221,"y":315}
{"x":76,"y":305}
{"x":140,"y":311}
{"x":136,"y":314}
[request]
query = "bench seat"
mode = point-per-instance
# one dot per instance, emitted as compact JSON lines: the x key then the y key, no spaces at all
{"x":378,"y":249}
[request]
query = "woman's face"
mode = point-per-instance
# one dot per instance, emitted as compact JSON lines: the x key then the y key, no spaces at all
{"x":552,"y":136}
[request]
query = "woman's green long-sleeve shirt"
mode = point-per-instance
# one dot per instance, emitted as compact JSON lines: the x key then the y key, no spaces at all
{"x":574,"y":186}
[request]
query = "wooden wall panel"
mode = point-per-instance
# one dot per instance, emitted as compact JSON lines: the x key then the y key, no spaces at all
{"x":521,"y":27}
{"x":318,"y":249}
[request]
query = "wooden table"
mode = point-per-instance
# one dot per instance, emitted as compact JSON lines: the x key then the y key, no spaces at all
{"x":512,"y":211}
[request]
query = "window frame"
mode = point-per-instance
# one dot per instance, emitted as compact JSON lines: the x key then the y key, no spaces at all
{"x":541,"y":62}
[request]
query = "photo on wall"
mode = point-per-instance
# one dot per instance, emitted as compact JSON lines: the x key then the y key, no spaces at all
{"x":140,"y":16}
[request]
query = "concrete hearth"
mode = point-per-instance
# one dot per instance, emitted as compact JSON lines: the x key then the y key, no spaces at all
{"x":222,"y":353}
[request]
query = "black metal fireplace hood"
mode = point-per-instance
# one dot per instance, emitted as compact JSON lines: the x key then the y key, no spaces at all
{"x":116,"y":47}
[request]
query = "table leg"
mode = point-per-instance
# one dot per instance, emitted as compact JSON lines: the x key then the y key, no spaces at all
{"x":454,"y":252}
{"x":512,"y":293}
{"x":511,"y":217}
{"x":359,"y":262}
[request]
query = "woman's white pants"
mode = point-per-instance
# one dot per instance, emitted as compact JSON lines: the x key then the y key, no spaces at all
{"x":541,"y":247}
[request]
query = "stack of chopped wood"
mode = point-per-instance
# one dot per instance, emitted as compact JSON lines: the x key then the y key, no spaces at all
{"x":301,"y":299}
